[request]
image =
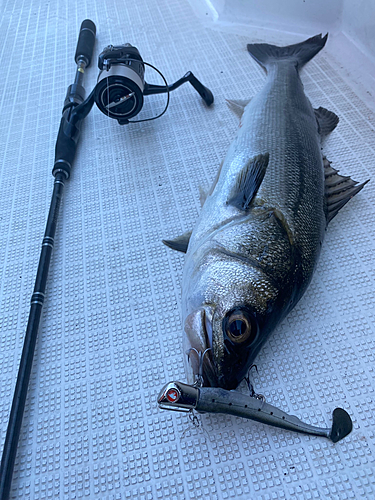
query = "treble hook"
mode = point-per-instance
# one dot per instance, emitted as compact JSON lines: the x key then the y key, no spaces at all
{"x":199,"y":381}
{"x":253,"y":394}
{"x":194,"y":419}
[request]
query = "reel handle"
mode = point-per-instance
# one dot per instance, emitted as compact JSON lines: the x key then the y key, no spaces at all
{"x":203,"y":91}
{"x":86,"y":42}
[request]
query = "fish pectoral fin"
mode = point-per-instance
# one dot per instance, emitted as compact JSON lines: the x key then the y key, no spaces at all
{"x":339,"y":189}
{"x":327,"y":120}
{"x":238,"y":106}
{"x":248,"y":182}
{"x":180,"y":243}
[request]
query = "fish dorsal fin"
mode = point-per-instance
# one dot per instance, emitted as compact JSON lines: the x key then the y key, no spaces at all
{"x":248,"y":182}
{"x":327,"y":120}
{"x":180,"y":243}
{"x":338,"y":189}
{"x":237,"y":106}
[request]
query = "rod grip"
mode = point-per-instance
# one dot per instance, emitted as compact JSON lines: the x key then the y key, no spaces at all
{"x":86,"y":42}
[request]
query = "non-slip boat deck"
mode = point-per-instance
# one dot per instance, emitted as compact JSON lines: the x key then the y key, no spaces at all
{"x":111,"y":332}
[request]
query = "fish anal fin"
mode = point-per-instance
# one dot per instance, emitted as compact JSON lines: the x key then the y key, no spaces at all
{"x":248,"y":182}
{"x":180,"y":243}
{"x":327,"y":120}
{"x":237,"y":106}
{"x":339,"y":189}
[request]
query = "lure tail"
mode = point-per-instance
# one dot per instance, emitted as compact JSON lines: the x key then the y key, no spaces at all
{"x":299,"y":53}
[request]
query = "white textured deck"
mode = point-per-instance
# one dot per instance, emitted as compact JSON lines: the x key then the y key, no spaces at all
{"x":111,"y":330}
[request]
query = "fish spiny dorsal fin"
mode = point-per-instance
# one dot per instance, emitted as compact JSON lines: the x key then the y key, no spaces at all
{"x":237,"y":106}
{"x":180,"y":243}
{"x":248,"y":182}
{"x":338,"y":189}
{"x":327,"y":120}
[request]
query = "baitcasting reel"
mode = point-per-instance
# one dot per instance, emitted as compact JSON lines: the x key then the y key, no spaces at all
{"x":121,"y":86}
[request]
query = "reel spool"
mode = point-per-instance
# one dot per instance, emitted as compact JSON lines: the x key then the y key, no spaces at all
{"x":121,"y":83}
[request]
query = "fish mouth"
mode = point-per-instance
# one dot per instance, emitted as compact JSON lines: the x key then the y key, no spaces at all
{"x":204,"y":364}
{"x":199,"y":348}
{"x":201,"y":360}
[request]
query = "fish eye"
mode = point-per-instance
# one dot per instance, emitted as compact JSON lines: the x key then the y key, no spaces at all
{"x":240,"y":327}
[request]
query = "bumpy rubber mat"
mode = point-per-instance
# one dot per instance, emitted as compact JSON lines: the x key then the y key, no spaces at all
{"x":111,"y":332}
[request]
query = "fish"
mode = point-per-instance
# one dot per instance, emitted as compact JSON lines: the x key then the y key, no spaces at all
{"x":254,"y":248}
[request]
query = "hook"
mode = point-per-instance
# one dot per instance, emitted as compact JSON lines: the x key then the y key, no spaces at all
{"x":199,"y":381}
{"x":253,"y":394}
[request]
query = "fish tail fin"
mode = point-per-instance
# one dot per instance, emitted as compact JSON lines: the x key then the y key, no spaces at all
{"x":299,"y":53}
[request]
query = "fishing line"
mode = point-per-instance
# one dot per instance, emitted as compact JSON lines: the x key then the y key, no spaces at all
{"x":168,"y":96}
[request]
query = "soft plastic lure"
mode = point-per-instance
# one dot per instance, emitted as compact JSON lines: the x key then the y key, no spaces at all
{"x":183,"y":397}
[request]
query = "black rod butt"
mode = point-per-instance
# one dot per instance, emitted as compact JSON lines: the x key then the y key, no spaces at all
{"x":86,"y":42}
{"x":342,"y":425}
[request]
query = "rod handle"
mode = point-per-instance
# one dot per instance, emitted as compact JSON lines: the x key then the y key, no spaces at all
{"x":86,"y":42}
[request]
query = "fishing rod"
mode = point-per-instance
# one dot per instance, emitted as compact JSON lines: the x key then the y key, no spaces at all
{"x":119,"y":94}
{"x":65,"y":150}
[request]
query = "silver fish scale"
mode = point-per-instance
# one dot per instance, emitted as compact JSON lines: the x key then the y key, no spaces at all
{"x":279,"y":121}
{"x":262,"y":258}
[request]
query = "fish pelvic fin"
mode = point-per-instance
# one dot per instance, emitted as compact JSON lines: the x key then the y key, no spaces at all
{"x":248,"y":182}
{"x":327,"y":121}
{"x":237,"y":106}
{"x":202,"y":195}
{"x":338,"y":189}
{"x":180,"y":243}
{"x":299,"y":53}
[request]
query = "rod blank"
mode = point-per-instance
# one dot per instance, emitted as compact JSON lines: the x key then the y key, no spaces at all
{"x":37,"y":300}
